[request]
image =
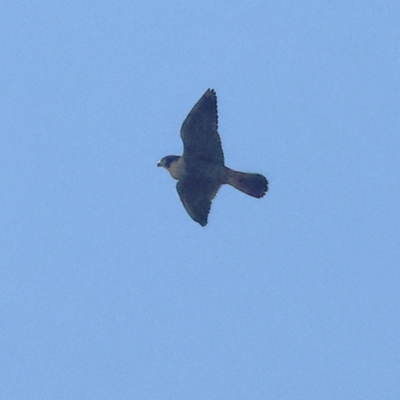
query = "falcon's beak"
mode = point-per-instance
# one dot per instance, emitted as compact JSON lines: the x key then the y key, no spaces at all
{"x":159,"y":164}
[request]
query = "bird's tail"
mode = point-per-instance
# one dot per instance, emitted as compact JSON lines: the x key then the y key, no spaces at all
{"x":255,"y":185}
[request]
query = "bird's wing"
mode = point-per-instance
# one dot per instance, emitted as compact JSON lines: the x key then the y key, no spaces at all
{"x":196,"y":196}
{"x":199,"y":131}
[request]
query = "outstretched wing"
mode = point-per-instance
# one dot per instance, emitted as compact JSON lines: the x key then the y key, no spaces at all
{"x":199,"y":131}
{"x":196,"y":196}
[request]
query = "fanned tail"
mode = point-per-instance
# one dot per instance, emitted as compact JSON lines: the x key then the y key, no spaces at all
{"x":255,"y":185}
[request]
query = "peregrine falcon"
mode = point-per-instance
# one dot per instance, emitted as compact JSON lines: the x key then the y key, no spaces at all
{"x":201,"y":171}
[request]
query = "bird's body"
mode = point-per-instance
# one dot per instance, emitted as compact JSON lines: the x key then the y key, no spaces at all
{"x":200,"y":171}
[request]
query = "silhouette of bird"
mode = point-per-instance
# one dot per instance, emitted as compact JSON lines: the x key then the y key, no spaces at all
{"x":201,"y":171}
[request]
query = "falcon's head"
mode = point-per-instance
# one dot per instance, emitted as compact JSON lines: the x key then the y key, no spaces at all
{"x":174,"y":165}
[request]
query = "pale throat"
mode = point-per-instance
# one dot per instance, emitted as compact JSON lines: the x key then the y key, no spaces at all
{"x":177,"y":168}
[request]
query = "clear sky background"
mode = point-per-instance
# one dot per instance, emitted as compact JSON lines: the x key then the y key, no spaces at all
{"x":108,"y":290}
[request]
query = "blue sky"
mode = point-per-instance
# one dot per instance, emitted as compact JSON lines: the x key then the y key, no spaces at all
{"x":108,"y":290}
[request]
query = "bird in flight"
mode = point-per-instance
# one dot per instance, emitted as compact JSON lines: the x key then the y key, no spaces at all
{"x":201,"y":171}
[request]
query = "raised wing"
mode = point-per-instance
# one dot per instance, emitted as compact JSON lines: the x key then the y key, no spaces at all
{"x":199,"y":131}
{"x":196,"y":196}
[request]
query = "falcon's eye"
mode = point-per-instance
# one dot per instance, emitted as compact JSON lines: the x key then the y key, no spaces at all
{"x":169,"y":160}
